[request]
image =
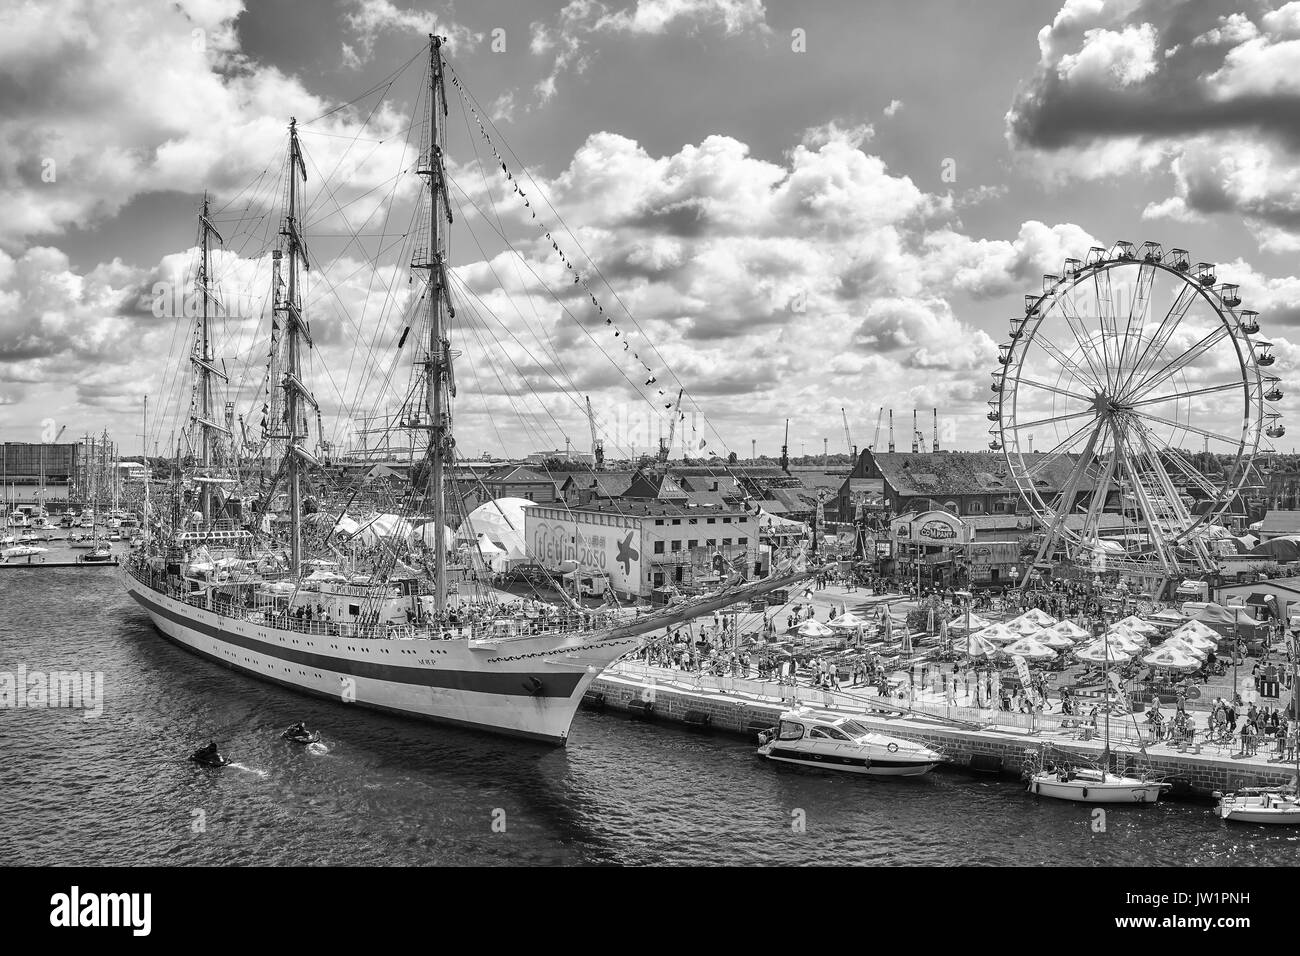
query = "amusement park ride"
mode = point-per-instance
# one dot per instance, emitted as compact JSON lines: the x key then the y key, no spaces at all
{"x":1128,"y":360}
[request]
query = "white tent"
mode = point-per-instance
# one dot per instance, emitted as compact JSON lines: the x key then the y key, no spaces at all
{"x":427,"y":534}
{"x":502,"y":522}
{"x":376,"y":526}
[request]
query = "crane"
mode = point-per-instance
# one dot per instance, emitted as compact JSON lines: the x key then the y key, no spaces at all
{"x":876,"y":439}
{"x":667,"y":443}
{"x":785,"y":449}
{"x":848,"y":439}
{"x":597,"y":446}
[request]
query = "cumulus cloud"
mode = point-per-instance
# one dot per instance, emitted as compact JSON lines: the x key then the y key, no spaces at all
{"x":569,"y":36}
{"x":1140,"y":85}
{"x":84,"y":129}
{"x":369,"y":19}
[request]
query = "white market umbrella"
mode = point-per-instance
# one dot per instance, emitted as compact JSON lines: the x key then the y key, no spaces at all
{"x":814,"y":628}
{"x":1037,"y":617}
{"x":1198,"y":628}
{"x":1124,"y":641}
{"x":1097,"y":653}
{"x":975,"y":646}
{"x":1029,"y":649}
{"x":1130,"y":635}
{"x":1195,"y":640}
{"x":1137,"y":625}
{"x":999,"y":634}
{"x":1172,"y":658}
{"x":1190,"y":649}
{"x":1071,"y":630}
{"x":977,"y":623}
{"x":1052,"y":638}
{"x":848,"y":621}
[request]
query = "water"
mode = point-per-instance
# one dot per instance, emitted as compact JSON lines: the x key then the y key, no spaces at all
{"x":381,"y":790}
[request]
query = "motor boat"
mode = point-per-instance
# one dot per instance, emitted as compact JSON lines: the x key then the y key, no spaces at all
{"x":18,"y":553}
{"x":1266,"y":805}
{"x":813,"y":738}
{"x":299,"y":734}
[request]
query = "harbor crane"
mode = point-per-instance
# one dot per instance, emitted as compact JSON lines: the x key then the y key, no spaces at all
{"x":666,"y":443}
{"x":785,"y":449}
{"x":597,"y":445}
{"x":848,"y":438}
{"x":876,"y":438}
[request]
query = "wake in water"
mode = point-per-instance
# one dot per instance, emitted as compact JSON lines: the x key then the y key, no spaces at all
{"x":235,"y":765}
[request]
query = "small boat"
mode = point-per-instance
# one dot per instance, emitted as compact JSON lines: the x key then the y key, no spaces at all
{"x":814,"y":738}
{"x":19,"y":553}
{"x":209,"y":756}
{"x":100,"y":555}
{"x":299,"y":734}
{"x":1094,"y":786}
{"x":1266,"y":805}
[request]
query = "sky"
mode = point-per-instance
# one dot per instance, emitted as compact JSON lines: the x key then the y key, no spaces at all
{"x":785,"y":210}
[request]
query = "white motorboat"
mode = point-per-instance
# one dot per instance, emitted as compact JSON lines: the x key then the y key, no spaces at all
{"x":1094,"y":786}
{"x":813,"y":738}
{"x":1266,"y":805}
{"x":20,"y":554}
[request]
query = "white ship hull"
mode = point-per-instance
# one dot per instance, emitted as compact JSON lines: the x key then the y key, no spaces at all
{"x":1094,"y":790}
{"x":527,"y":688}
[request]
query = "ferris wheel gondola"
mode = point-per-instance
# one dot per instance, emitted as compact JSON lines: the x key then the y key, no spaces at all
{"x":1125,"y":361}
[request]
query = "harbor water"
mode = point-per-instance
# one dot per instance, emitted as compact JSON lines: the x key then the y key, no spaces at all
{"x":118,"y":789}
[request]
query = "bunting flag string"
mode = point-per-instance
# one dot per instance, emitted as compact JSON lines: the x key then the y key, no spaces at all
{"x":578,"y":277}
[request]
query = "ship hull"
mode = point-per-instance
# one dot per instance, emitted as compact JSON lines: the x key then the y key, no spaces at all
{"x":529,"y":689}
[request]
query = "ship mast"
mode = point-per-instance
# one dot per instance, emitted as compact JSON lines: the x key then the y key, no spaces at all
{"x":432,"y":256}
{"x":296,"y":334}
{"x":205,"y":365}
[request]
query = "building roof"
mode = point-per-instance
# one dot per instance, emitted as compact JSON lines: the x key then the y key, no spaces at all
{"x":517,"y":474}
{"x":1281,"y":522}
{"x":650,"y":509}
{"x":967,"y":473}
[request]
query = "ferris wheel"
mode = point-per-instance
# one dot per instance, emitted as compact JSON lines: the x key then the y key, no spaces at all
{"x":1148,"y":394}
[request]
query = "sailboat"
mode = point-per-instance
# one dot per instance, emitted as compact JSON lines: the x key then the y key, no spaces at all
{"x":400,"y":640}
{"x":1094,"y":784}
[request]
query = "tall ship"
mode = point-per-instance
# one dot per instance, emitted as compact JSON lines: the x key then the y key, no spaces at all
{"x":279,"y":599}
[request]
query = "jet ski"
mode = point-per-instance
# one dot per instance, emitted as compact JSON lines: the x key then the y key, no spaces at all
{"x":209,"y":756}
{"x":299,"y":734}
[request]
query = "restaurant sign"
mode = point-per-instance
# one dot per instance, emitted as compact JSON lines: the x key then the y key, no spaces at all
{"x":934,"y":528}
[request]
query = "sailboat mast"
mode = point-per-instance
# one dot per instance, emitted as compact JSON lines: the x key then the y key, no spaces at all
{"x":295,"y":392}
{"x":437,"y":360}
{"x":205,"y":366}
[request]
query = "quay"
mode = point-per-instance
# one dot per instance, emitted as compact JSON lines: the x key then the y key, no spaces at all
{"x":975,"y":739}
